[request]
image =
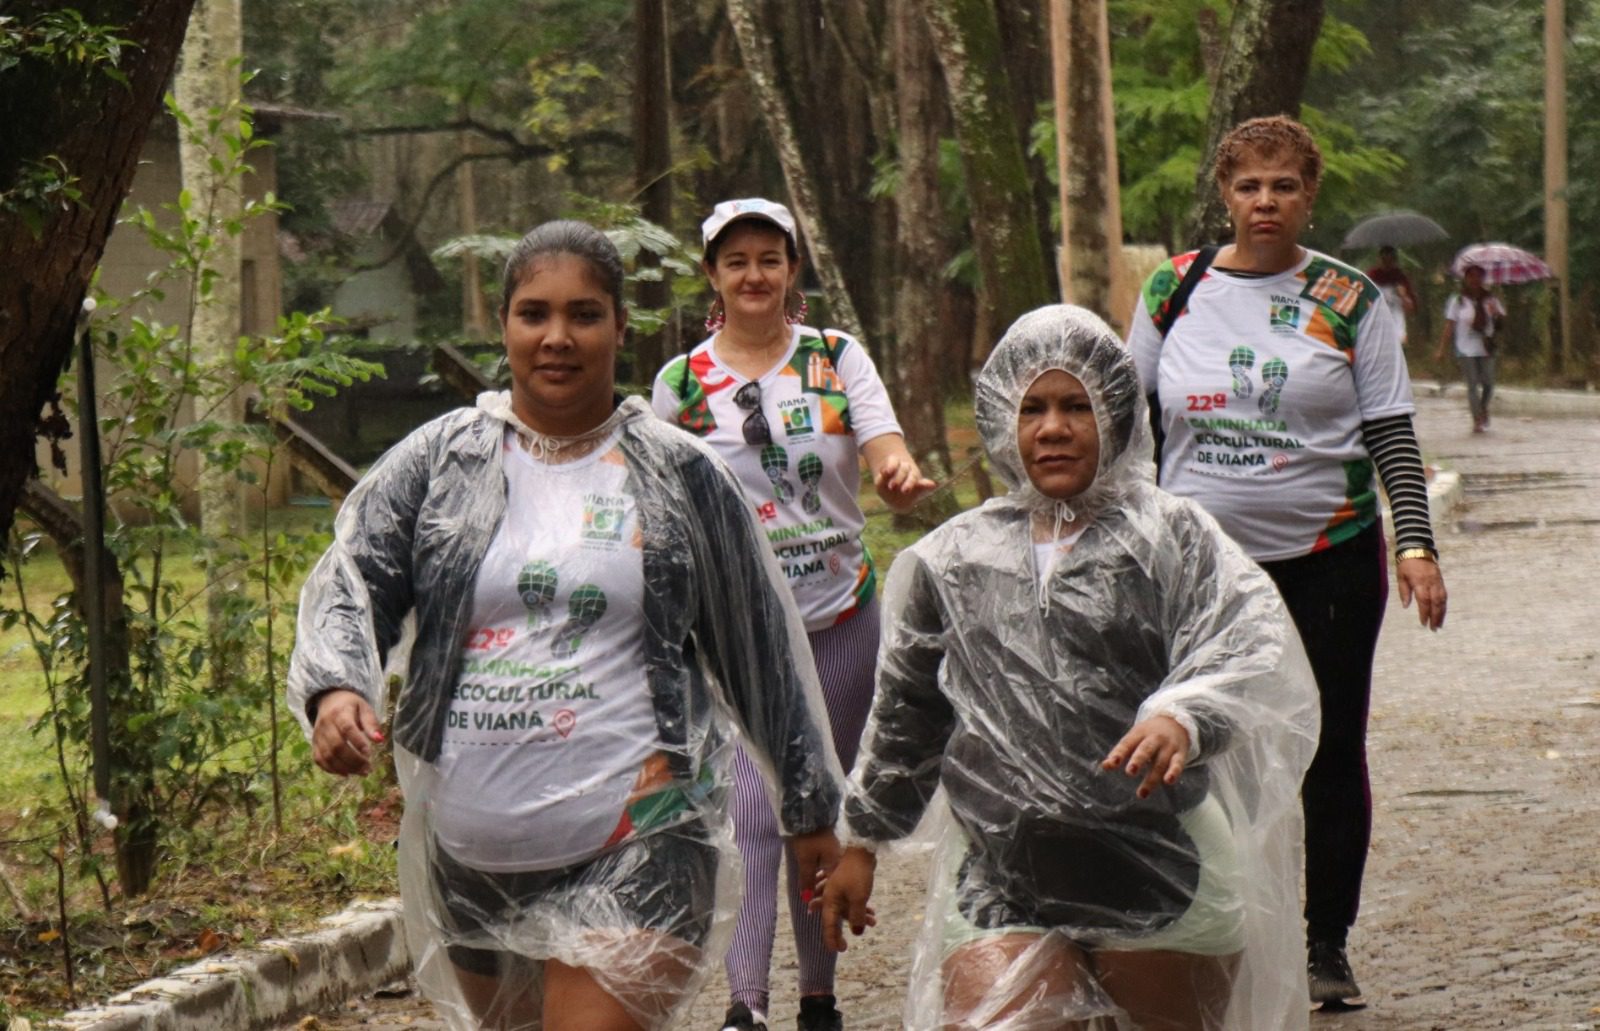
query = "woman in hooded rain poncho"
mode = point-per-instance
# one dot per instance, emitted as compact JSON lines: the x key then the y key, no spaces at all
{"x":1117,"y":706}
{"x":592,"y":599}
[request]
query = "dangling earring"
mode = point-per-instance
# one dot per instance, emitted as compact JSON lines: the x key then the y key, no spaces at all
{"x":798,"y":315}
{"x":717,"y":317}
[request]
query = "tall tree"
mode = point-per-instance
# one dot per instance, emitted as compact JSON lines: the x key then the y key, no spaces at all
{"x":652,"y":163}
{"x":64,"y":117}
{"x":207,"y":92}
{"x":1025,"y":40}
{"x":1091,"y":217}
{"x":1011,"y":259}
{"x":760,"y":65}
{"x":1263,"y":72}
{"x":919,"y":386}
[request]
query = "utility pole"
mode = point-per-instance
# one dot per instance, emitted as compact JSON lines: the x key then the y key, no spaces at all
{"x":1555,"y":171}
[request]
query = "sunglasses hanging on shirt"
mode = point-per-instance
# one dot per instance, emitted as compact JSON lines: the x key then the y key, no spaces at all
{"x":748,"y":399}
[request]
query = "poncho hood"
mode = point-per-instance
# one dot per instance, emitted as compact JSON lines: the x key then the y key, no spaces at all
{"x":1076,"y":341}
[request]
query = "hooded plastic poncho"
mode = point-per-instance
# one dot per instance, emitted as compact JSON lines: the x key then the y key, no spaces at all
{"x":722,"y":646}
{"x":1008,"y":690}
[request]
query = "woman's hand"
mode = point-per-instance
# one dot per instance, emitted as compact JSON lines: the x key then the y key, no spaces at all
{"x":894,"y":472}
{"x":1420,"y":578}
{"x":1158,"y":746}
{"x":815,"y":856}
{"x":845,"y":895}
{"x":345,"y":731}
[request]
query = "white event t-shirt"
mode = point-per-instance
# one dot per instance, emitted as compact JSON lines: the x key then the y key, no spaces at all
{"x":820,"y":402}
{"x":1470,"y":343}
{"x":551,"y":722}
{"x":1264,"y":383}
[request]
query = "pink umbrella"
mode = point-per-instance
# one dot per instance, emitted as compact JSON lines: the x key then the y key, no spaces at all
{"x":1502,"y":263}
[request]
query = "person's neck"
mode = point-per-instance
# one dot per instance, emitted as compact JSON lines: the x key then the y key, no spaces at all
{"x":1265,"y":260}
{"x":575,"y":421}
{"x":752,"y":349}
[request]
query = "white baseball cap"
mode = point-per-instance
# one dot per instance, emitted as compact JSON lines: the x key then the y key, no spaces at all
{"x":750,"y":207}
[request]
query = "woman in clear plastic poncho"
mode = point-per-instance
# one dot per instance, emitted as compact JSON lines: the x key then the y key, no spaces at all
{"x":592,"y":599}
{"x":1119,"y":711}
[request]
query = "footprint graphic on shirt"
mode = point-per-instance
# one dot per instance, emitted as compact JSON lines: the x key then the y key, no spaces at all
{"x":536,"y":586}
{"x":584,"y":609}
{"x":1274,"y":373}
{"x":1240,"y":362}
{"x":775,"y":463}
{"x":811,"y":478}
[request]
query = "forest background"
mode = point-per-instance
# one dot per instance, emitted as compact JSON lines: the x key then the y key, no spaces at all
{"x":917,"y":141}
{"x":481,"y":118}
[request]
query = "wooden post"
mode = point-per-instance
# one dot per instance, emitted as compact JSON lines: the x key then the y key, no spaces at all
{"x":1555,"y":171}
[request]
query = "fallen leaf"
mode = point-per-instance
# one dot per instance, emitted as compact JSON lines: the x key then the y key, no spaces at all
{"x":46,"y":937}
{"x":210,"y":941}
{"x":352,"y":848}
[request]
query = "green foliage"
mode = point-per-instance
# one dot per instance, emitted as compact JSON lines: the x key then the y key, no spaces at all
{"x":64,"y":37}
{"x":432,"y":57}
{"x":1456,"y":91}
{"x":40,"y":187}
{"x":1162,"y":100}
{"x":634,"y":236}
{"x":65,"y":42}
{"x":181,"y":746}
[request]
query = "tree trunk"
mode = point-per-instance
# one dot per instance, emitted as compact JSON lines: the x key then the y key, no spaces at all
{"x":760,"y":66}
{"x":652,"y":166}
{"x":1010,"y":259}
{"x":474,"y":313}
{"x":1091,"y":219}
{"x":1025,"y":40}
{"x":95,"y":127}
{"x":920,"y":388}
{"x":207,"y":91}
{"x":1263,"y":72}
{"x":832,"y":60}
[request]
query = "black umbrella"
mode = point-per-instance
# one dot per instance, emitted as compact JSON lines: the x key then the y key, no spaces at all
{"x":1393,"y":229}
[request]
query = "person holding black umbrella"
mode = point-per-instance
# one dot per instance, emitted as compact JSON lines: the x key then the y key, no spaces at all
{"x":1396,"y":286}
{"x":1277,"y":386}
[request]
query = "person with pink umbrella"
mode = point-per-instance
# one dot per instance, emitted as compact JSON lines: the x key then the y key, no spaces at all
{"x":1472,"y":319}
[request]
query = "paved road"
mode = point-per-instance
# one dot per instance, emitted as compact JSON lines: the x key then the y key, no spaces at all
{"x":1483,"y":892}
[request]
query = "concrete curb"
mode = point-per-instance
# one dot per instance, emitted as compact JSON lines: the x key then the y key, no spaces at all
{"x":355,"y":951}
{"x":1445,"y":494}
{"x":1572,"y":404}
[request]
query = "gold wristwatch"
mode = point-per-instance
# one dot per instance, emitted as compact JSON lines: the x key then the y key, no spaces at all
{"x":1417,"y":552}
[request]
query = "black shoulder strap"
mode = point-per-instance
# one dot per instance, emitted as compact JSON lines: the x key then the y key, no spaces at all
{"x":682,"y":386}
{"x":1191,"y":279}
{"x":1175,"y":305}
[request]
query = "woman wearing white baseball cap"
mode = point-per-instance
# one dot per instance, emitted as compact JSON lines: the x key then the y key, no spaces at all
{"x":792,"y":410}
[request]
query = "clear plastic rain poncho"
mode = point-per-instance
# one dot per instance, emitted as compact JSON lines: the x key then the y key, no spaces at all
{"x":566,"y":800}
{"x":1008,"y":690}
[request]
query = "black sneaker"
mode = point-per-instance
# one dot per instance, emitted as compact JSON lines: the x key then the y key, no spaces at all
{"x":1328,"y":971}
{"x":739,"y":1018}
{"x":818,"y":1013}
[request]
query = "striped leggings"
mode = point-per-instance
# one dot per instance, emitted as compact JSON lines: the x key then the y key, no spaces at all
{"x":845,"y":656}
